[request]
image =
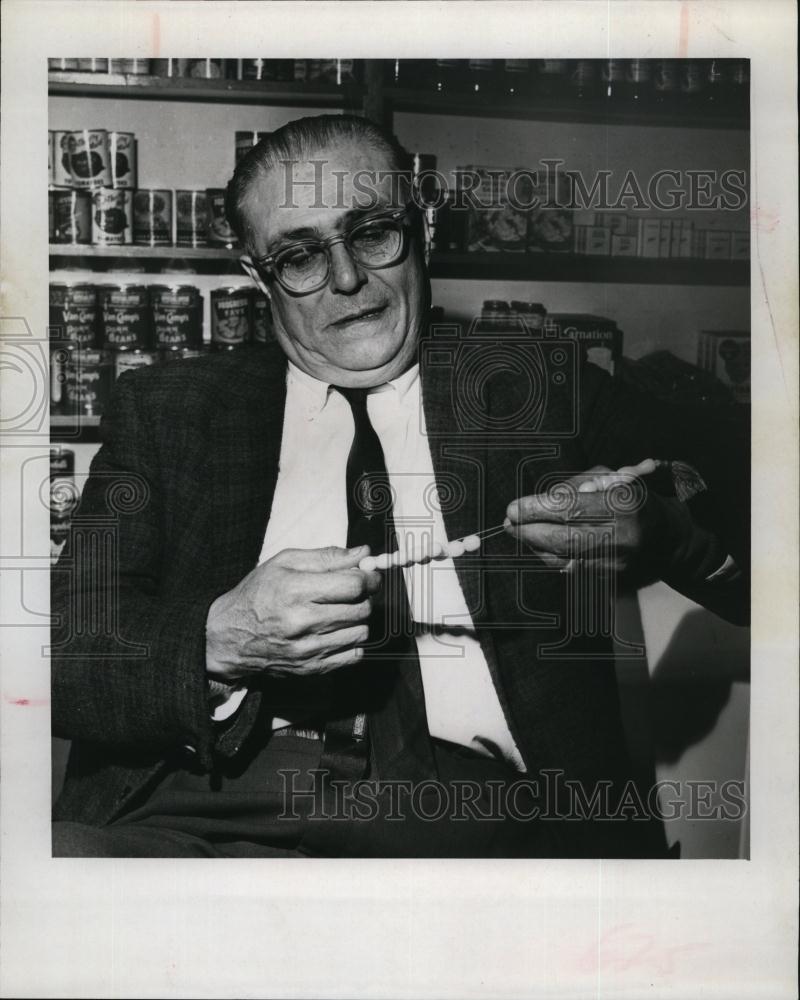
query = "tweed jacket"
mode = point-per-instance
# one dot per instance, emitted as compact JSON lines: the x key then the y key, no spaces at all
{"x":178,"y":501}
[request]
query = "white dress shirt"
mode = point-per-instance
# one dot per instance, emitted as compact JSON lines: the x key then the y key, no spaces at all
{"x":309,"y":511}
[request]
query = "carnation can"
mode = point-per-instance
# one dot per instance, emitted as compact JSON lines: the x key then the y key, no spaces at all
{"x":124,"y":315}
{"x":177,"y":316}
{"x":122,"y":158}
{"x":89,"y":377}
{"x":191,"y":218}
{"x":220,"y":233}
{"x":62,"y":178}
{"x":231,"y":310}
{"x":125,"y":361}
{"x":73,"y":313}
{"x":89,"y":164}
{"x":72,"y":217}
{"x":112,"y":217}
{"x":152,"y":217}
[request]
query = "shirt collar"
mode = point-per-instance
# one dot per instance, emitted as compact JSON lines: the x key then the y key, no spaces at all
{"x":317,"y":392}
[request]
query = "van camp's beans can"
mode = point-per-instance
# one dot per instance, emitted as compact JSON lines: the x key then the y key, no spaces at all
{"x":112,"y":217}
{"x":125,"y":361}
{"x":152,"y":218}
{"x":191,"y":218}
{"x":89,"y":377}
{"x":89,"y":165}
{"x":61,"y":174}
{"x":122,"y":159}
{"x":134,"y":67}
{"x":73,"y":313}
{"x":72,"y":217}
{"x":263,"y":330}
{"x":177,"y":316}
{"x":245,"y":142}
{"x":231,"y":311}
{"x":220,"y":233}
{"x":124,"y":315}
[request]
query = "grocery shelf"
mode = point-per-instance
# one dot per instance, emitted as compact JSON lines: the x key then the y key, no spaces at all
{"x":465,"y":266}
{"x":563,"y":109}
{"x":178,"y":88}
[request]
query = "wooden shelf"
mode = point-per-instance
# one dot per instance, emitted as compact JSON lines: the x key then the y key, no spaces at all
{"x":79,"y":430}
{"x":562,"y":109}
{"x":465,"y":266}
{"x":178,"y":88}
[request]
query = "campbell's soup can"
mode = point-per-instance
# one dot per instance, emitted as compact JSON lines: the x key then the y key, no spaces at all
{"x":93,"y":65}
{"x":206,"y":69}
{"x":124,"y":315}
{"x":89,"y":164}
{"x":152,"y":217}
{"x":263,"y":330}
{"x":231,"y":310}
{"x":122,"y":158}
{"x":245,"y":142}
{"x":220,"y":233}
{"x":112,"y":217}
{"x":87,"y":386}
{"x":126,"y":361}
{"x":177,"y":316}
{"x":169,"y":67}
{"x":73,"y":313}
{"x":72,"y":217}
{"x":134,"y":67}
{"x":61,"y":173}
{"x":191,"y":218}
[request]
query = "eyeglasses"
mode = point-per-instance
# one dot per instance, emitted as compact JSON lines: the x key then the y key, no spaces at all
{"x":305,"y":266}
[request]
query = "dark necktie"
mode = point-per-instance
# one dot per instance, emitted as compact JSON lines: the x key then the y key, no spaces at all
{"x":388,"y":679}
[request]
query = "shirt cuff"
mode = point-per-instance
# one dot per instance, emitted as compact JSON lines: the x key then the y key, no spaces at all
{"x":224,"y":700}
{"x":726,"y":573}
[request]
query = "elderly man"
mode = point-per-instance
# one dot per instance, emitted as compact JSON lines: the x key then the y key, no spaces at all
{"x":262,"y":688}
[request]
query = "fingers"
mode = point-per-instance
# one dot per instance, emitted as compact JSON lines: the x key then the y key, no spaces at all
{"x":556,"y":509}
{"x":567,"y":542}
{"x":324,"y":560}
{"x":327,"y":618}
{"x":315,"y":646}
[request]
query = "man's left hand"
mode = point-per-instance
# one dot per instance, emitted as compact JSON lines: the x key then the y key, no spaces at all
{"x":569,"y":524}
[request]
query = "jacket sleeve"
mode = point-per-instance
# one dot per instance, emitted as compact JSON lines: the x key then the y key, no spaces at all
{"x":621,"y":426}
{"x":128,"y":665}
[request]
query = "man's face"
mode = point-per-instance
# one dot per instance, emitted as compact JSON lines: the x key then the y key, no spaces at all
{"x":362,"y":327}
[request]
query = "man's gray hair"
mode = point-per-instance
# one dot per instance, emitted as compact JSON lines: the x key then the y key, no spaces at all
{"x":298,"y":140}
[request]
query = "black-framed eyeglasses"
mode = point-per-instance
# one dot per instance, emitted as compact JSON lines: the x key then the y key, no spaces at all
{"x":305,"y":266}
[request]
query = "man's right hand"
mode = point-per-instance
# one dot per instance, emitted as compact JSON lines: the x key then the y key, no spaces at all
{"x":303,"y":612}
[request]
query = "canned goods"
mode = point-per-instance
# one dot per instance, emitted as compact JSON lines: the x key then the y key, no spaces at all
{"x":230,"y":317}
{"x":263,"y":329}
{"x":122,"y":159}
{"x":264,"y":69}
{"x":134,"y":67}
{"x":206,"y":69}
{"x":177,"y":316}
{"x":220,"y":233}
{"x":89,"y":165}
{"x":191,"y":218}
{"x":125,"y":315}
{"x":692,"y":80}
{"x":62,"y":462}
{"x":72,"y":217}
{"x":246,"y":140}
{"x":89,"y":377}
{"x":51,"y":216}
{"x":62,"y":64}
{"x":112,"y":217}
{"x":73,"y":313}
{"x":126,"y":361}
{"x":61,"y":172}
{"x":169,"y":67}
{"x":152,"y":218}
{"x":93,"y":65}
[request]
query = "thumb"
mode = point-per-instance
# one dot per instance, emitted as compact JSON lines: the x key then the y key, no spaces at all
{"x":332,"y":557}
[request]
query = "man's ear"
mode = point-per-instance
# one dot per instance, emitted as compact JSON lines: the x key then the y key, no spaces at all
{"x":249,"y":267}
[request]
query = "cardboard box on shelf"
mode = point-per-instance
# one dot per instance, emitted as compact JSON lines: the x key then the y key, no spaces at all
{"x":649,"y":237}
{"x":624,"y":246}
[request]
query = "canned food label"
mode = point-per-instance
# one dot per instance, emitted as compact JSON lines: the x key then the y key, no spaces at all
{"x":88,"y":158}
{"x":230,"y":318}
{"x":111,"y":217}
{"x":125,"y":316}
{"x":177,"y":317}
{"x":62,"y":177}
{"x":219,"y":230}
{"x":613,"y":71}
{"x":152,"y":218}
{"x":263,"y":332}
{"x":206,"y":69}
{"x":88,"y":382}
{"x":122,"y":159}
{"x":136,"y":67}
{"x":72,"y":217}
{"x":665,"y":77}
{"x":191,"y":217}
{"x":639,"y":71}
